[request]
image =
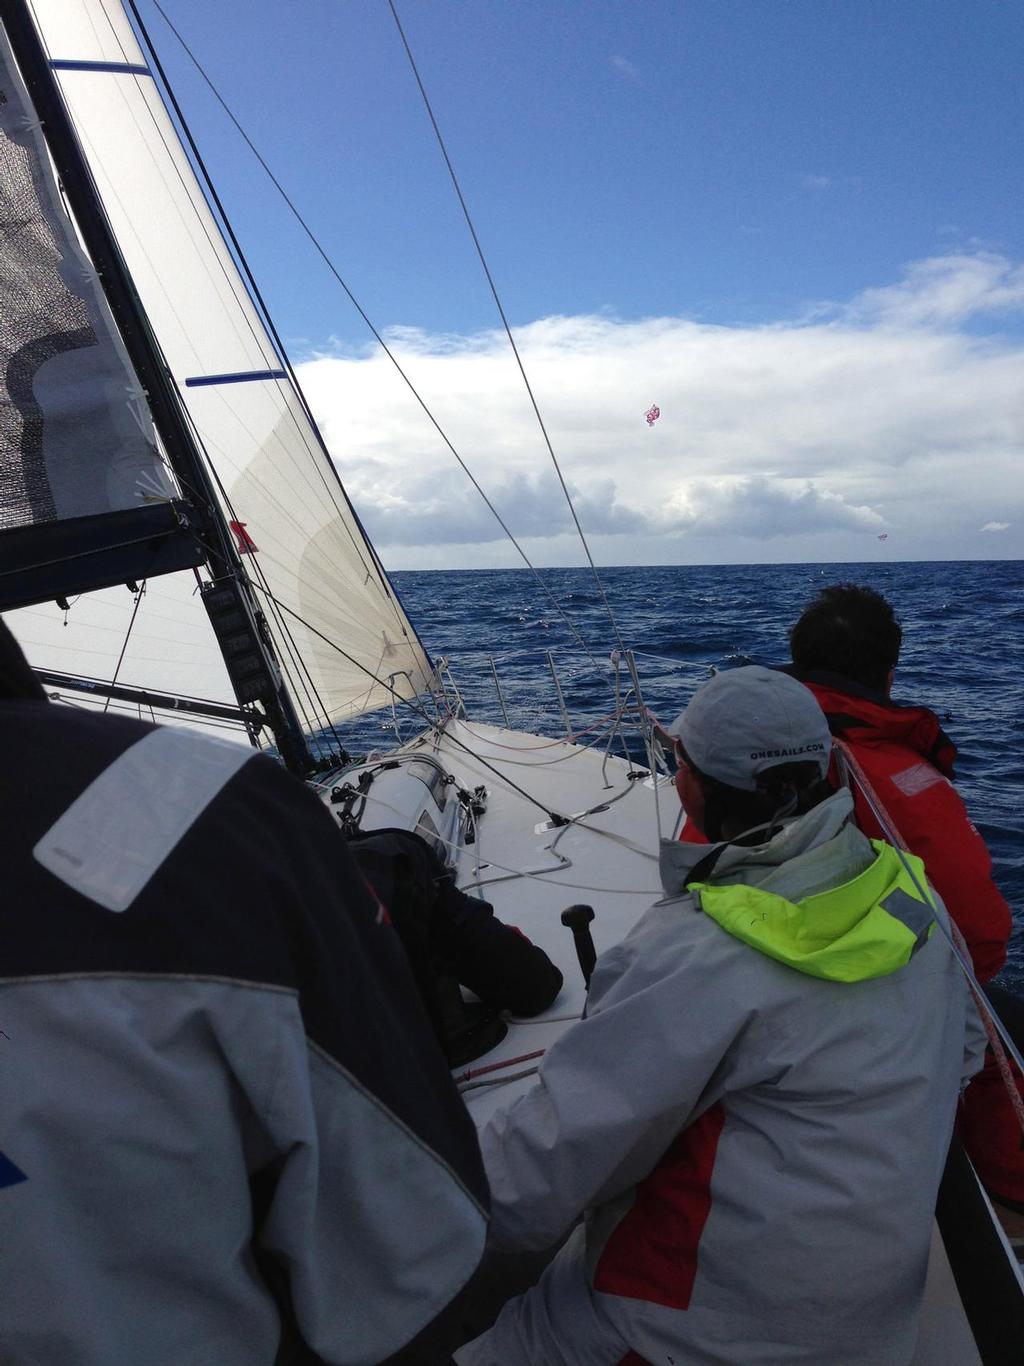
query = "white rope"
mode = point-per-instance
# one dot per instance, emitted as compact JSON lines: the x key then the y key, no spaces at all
{"x":497,"y":1081}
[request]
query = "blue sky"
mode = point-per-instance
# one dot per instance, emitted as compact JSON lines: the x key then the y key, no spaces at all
{"x":725,"y":160}
{"x":810,"y":196}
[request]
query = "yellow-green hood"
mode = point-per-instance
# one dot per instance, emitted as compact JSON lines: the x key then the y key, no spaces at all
{"x":867,"y":927}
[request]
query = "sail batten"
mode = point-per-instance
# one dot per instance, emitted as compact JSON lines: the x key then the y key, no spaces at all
{"x":246,"y":377}
{"x":309,"y":556}
{"x":122,"y":68}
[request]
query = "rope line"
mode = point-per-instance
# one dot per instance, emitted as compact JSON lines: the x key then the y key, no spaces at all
{"x":474,"y":1072}
{"x":127,"y":637}
{"x":497,"y":1081}
{"x":505,"y":323}
{"x":563,"y":862}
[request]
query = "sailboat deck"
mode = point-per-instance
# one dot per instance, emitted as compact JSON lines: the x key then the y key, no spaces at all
{"x":531,"y":870}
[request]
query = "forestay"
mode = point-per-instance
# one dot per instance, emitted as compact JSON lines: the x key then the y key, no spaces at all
{"x":318,"y":578}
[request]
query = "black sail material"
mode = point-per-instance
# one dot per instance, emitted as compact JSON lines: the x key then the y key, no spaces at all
{"x":77,"y":444}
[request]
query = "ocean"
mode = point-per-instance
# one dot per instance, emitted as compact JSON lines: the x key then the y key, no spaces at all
{"x":963,"y":629}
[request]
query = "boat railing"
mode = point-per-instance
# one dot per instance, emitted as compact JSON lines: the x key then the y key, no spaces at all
{"x":589,"y":702}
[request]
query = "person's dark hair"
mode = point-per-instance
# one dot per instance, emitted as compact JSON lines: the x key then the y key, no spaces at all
{"x":850,"y":631}
{"x":16,"y":678}
{"x":782,"y":791}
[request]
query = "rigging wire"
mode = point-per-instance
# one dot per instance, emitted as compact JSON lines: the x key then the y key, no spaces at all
{"x":373,"y":329}
{"x":505,"y":322}
{"x":127,"y":637}
{"x":412,"y":704}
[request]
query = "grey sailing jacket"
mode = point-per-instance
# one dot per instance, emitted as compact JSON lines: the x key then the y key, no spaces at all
{"x":224,"y":1117}
{"x":757,"y":1150}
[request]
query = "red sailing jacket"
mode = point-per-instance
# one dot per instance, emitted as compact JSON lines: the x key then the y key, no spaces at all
{"x":908,"y":759}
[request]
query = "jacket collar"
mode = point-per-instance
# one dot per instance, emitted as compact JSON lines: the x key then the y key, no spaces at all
{"x":784,"y":864}
{"x":859,"y":713}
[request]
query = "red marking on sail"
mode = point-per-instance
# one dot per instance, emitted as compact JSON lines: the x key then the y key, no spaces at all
{"x":246,"y":544}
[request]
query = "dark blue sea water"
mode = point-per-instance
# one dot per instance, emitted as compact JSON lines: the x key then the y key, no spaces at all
{"x":963,"y":629}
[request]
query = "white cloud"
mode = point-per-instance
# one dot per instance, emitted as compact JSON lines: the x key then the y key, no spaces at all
{"x":798,"y":440}
{"x":945,"y":289}
{"x":624,"y":67}
{"x":816,"y":182}
{"x":996,"y":526}
{"x":763,"y":507}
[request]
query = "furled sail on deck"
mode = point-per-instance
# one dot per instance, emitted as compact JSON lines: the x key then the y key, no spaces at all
{"x":85,"y":498}
{"x":318,"y":580}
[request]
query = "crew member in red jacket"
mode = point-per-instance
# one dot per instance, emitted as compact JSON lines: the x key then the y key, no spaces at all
{"x":845,"y":647}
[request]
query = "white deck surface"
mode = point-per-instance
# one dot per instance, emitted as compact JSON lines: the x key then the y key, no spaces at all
{"x":608,"y":862}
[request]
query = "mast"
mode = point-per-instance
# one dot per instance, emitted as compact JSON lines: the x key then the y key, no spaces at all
{"x":239,"y":625}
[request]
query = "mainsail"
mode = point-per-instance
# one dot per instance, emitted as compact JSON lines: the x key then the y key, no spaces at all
{"x":340,"y":633}
{"x":81,"y":478}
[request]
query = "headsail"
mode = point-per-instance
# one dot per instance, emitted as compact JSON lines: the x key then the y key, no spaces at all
{"x":318,"y":580}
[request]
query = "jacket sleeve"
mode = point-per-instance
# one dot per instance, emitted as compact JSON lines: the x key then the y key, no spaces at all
{"x":444,"y":929}
{"x":495,"y":960}
{"x":376,"y":1209}
{"x":935,"y":825}
{"x":615,"y":1090}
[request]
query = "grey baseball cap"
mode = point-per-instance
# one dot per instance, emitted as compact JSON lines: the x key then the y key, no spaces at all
{"x":745,"y":721}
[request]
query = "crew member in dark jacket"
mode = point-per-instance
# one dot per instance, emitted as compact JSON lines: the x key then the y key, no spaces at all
{"x":452,"y":938}
{"x":227,"y":1133}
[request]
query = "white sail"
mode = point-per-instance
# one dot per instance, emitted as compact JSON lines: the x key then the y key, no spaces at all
{"x":317,"y":578}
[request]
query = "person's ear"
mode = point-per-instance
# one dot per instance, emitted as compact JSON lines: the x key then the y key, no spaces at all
{"x":691,"y":794}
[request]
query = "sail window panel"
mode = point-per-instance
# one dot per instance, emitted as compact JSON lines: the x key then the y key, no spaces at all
{"x":312,"y":555}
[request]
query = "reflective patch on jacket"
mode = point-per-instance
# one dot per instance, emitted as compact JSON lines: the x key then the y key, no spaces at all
{"x":118,"y":832}
{"x":917,"y":778}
